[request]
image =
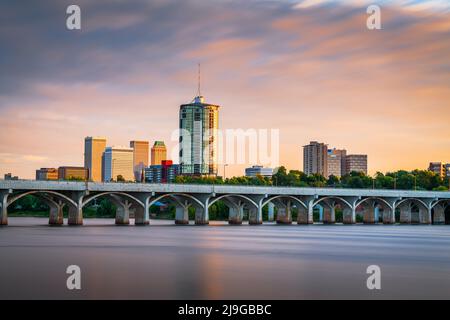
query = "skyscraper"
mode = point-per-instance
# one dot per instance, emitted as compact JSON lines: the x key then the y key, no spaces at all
{"x":93,"y":152}
{"x":336,"y":162}
{"x":315,"y":158}
{"x":165,"y":172}
{"x":199,"y":122}
{"x":159,"y":153}
{"x":140,"y":158}
{"x":447,"y":170}
{"x":356,"y":162}
{"x":118,"y":161}
{"x":438,"y":168}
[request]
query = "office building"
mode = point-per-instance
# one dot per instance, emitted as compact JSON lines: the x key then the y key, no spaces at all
{"x":93,"y":152}
{"x":118,"y":161}
{"x":47,"y":174}
{"x":356,"y":162}
{"x":140,"y":158}
{"x":9,"y":176}
{"x":73,"y":173}
{"x":153,"y":174}
{"x":166,"y":172}
{"x":447,"y":170}
{"x":255,"y":171}
{"x":437,"y":168}
{"x":199,"y":122}
{"x":158,"y":153}
{"x":336,"y":162}
{"x":315,"y":158}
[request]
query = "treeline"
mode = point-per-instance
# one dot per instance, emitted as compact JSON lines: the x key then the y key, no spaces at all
{"x":35,"y":206}
{"x":402,"y":179}
{"x":405,"y":180}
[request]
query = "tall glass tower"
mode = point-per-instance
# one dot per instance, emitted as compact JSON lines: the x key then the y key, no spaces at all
{"x":199,"y":122}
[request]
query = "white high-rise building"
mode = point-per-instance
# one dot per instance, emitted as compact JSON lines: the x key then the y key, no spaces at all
{"x":199,"y":122}
{"x":118,"y":161}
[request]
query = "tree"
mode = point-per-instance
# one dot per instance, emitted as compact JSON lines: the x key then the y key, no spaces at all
{"x":106,"y":209}
{"x":402,"y":179}
{"x":333,"y":181}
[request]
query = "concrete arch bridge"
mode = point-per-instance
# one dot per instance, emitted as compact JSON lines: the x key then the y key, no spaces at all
{"x":421,"y":207}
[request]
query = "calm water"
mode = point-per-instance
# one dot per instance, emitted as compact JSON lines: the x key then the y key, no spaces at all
{"x":164,"y":261}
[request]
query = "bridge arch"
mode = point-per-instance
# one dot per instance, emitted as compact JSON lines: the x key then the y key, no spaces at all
{"x":414,"y":211}
{"x":173,"y":195}
{"x":110,"y":193}
{"x":413,"y":200}
{"x":440,"y":212}
{"x":237,"y":204}
{"x":373,"y":198}
{"x":297,"y":200}
{"x":41,"y":193}
{"x":445,"y":201}
{"x":224,"y":196}
{"x":333,"y":197}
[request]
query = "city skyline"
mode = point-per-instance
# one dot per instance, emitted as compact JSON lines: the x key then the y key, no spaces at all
{"x":383,"y":93}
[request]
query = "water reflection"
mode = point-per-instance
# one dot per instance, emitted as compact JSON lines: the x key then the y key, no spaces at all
{"x":164,"y":261}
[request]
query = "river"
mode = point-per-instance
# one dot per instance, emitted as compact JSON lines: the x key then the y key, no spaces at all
{"x":219,"y":261}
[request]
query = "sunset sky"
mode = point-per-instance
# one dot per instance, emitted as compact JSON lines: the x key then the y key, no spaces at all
{"x":308,"y":68}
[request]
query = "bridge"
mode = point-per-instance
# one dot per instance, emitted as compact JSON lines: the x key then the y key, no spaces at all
{"x":421,"y":207}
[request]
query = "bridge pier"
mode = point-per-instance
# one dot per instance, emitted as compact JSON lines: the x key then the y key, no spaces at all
{"x":141,"y":214}
{"x":405,"y":213}
{"x":439,"y":214}
{"x":270,"y":212}
{"x":424,"y":215}
{"x":56,"y":212}
{"x":141,"y":217}
{"x":235,"y":210}
{"x":202,"y":212}
{"x":235,"y":215}
{"x":75,"y":216}
{"x":76,"y":212}
{"x":122,"y":210}
{"x":306,"y":215}
{"x":302,"y":216}
{"x":4,"y":207}
{"x":201,"y":216}
{"x":284,"y":211}
{"x":388,"y":215}
{"x":329,"y":213}
{"x":369,"y":212}
{"x":182,"y":214}
{"x":255,"y":216}
{"x":349,"y":215}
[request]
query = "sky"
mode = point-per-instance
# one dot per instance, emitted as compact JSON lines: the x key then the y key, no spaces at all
{"x":309,"y":68}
